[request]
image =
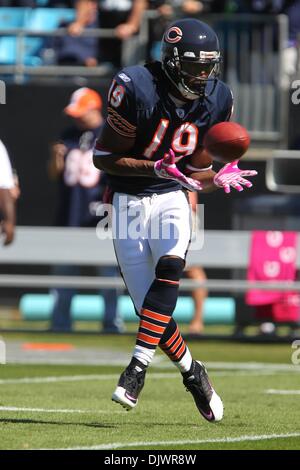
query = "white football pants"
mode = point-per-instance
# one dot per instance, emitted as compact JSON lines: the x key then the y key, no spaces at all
{"x":144,"y":230}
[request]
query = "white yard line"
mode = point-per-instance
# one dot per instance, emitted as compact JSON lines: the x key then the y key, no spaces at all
{"x":272,"y":391}
{"x":119,"y":445}
{"x":43,"y":410}
{"x":236,"y":368}
{"x":78,"y":378}
{"x":153,"y":375}
{"x":55,"y":379}
{"x":243,"y":366}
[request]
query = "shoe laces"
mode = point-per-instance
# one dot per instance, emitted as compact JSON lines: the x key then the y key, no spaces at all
{"x":198,"y":381}
{"x":133,"y":380}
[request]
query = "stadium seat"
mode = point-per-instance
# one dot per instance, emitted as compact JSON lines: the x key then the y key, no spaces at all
{"x":47,"y":19}
{"x":36,"y":307}
{"x":13,"y":17}
{"x":38,"y":19}
{"x":42,"y":3}
{"x":43,"y":19}
{"x":8,"y":50}
{"x":156,"y":50}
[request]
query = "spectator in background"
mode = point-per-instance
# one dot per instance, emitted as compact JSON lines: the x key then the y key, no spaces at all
{"x":199,"y":295}
{"x":196,"y":273}
{"x":36,"y":3}
{"x":80,"y":185}
{"x":73,"y":48}
{"x":124,"y":16}
{"x":61,"y":4}
{"x":290,"y":59}
{"x":7,"y":199}
{"x":168,"y":10}
{"x":186,"y":7}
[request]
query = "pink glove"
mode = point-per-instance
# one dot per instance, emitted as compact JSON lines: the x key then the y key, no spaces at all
{"x":166,"y":168}
{"x":231,"y":175}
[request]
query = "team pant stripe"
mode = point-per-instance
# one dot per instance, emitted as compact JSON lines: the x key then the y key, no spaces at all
{"x":168,"y":281}
{"x":151,"y":327}
{"x":156,"y":316}
{"x":147,"y":338}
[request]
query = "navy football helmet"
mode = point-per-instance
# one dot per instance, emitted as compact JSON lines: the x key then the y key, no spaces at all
{"x":191,"y":57}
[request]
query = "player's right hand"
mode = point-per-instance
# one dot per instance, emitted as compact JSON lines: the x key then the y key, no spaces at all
{"x":166,"y":168}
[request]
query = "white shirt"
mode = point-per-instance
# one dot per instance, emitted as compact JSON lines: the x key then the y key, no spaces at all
{"x":6,"y":174}
{"x":120,"y":5}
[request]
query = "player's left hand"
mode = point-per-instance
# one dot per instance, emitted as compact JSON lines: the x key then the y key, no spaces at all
{"x":231,"y":176}
{"x":166,"y":168}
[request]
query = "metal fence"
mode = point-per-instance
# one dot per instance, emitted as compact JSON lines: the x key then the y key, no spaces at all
{"x":252,"y":48}
{"x":20,"y":71}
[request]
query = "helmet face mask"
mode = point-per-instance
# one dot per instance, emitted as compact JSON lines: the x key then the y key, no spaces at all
{"x":191,"y":57}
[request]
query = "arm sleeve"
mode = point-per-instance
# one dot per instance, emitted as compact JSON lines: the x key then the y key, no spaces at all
{"x":6,"y":174}
{"x":122,"y":113}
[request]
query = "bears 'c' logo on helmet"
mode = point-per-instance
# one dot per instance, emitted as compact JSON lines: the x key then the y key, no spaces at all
{"x":173,"y":35}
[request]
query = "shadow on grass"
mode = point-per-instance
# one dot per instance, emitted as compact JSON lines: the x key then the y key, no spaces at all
{"x":58,"y":423}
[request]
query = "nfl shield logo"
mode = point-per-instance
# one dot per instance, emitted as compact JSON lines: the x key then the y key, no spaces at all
{"x":180,"y":113}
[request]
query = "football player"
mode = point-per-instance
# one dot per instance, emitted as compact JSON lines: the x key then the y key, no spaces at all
{"x":157,"y":117}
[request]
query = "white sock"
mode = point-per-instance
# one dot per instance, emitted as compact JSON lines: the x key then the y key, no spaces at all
{"x":185,"y":362}
{"x":144,"y":355}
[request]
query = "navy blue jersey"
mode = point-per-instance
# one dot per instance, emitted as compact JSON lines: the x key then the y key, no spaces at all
{"x":140,"y":107}
{"x":79,"y":183}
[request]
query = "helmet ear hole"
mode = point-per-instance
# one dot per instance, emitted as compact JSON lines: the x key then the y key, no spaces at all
{"x":171,"y":64}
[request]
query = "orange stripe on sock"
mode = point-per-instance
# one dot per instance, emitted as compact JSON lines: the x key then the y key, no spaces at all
{"x":151,"y":326}
{"x":176,"y":345}
{"x":179,"y":353}
{"x":148,"y":339}
{"x":156,"y":316}
{"x":170,"y":341}
{"x":176,"y":283}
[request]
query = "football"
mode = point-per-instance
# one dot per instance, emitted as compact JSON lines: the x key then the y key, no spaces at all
{"x":226,"y":141}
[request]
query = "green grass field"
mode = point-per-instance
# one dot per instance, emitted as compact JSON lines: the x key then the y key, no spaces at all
{"x":69,"y":406}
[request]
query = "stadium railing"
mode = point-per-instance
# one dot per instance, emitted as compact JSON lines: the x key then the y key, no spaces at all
{"x":252,"y":47}
{"x":283,"y":171}
{"x":48,"y":246}
{"x":37,"y":248}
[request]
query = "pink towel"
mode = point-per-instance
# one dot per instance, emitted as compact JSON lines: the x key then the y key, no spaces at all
{"x":273,"y":258}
